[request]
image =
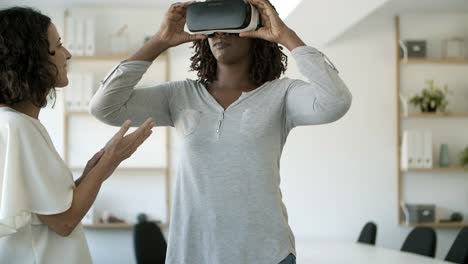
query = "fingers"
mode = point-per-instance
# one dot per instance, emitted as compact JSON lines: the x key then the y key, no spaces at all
{"x":97,"y":157}
{"x":123,"y":130}
{"x":195,"y":37}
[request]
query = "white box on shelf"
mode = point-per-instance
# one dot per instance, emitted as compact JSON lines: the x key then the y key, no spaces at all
{"x":87,"y":90}
{"x":428,"y":157}
{"x":90,"y":36}
{"x":69,"y":38}
{"x":79,"y":36}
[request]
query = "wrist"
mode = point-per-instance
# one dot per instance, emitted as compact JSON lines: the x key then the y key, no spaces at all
{"x":159,"y":42}
{"x":291,"y":40}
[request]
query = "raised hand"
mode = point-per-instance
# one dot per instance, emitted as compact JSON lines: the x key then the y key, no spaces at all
{"x":273,"y":28}
{"x":172,"y":32}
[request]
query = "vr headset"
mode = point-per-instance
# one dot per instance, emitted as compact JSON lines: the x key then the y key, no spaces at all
{"x":228,"y":16}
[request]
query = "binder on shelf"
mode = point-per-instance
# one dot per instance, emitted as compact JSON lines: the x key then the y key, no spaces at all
{"x":70,"y":36}
{"x":79,"y":36}
{"x":419,"y":149}
{"x":428,"y":157}
{"x":87,"y":92}
{"x":408,"y":159}
{"x":73,"y":92}
{"x":68,"y":92}
{"x":90,"y":37}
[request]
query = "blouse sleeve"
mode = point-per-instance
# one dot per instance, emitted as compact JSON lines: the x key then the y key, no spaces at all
{"x":33,"y":177}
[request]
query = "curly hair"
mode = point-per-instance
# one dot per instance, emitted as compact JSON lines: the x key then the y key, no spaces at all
{"x":26,"y":73}
{"x":268,"y":61}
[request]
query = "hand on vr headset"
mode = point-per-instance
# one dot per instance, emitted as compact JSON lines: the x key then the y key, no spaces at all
{"x":273,"y":29}
{"x":171,"y":32}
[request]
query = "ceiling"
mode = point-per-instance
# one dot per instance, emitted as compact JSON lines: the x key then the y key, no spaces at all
{"x":284,"y":7}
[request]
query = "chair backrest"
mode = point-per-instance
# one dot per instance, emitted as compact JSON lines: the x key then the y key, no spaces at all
{"x":458,"y":253}
{"x":149,"y":243}
{"x":368,"y":234}
{"x":422,"y":241}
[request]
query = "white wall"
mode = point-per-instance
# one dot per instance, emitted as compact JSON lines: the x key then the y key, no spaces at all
{"x":336,"y":177}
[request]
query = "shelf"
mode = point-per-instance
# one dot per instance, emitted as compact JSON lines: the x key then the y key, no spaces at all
{"x":433,"y":61}
{"x":437,"y":225}
{"x":129,"y":169}
{"x":109,"y":226}
{"x":117,"y":226}
{"x":110,"y":57}
{"x":434,"y":115}
{"x":434,"y":169}
{"x":118,"y":57}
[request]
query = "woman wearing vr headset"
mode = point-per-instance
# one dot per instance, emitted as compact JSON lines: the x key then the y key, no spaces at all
{"x":233,"y":122}
{"x":41,"y":206}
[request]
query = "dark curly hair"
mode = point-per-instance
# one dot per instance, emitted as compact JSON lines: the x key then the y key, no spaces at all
{"x":26,"y":72}
{"x":268,"y":61}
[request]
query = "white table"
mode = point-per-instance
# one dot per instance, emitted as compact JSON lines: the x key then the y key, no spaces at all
{"x":326,"y":252}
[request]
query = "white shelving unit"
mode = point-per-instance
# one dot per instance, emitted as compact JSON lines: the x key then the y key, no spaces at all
{"x":418,"y":185}
{"x":141,"y":183}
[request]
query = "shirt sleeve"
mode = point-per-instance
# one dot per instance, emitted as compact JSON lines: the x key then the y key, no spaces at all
{"x":323,"y":99}
{"x":33,"y":180}
{"x":117,"y":101}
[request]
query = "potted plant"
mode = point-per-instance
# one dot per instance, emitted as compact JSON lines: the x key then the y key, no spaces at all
{"x":431,"y":99}
{"x":464,"y":158}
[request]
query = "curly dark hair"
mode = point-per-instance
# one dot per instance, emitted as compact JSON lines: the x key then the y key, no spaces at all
{"x":268,"y":61}
{"x":26,"y":72}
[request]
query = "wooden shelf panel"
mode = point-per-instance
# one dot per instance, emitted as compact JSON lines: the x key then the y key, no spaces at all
{"x":434,"y":115}
{"x":116,"y":57}
{"x":117,"y":226}
{"x":434,"y":169}
{"x":433,"y":61}
{"x":437,"y":225}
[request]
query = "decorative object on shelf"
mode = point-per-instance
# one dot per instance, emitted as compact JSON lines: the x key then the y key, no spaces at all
{"x":119,"y":41}
{"x":432,"y":98}
{"x":404,"y":104}
{"x":444,"y":160}
{"x":454,"y":218}
{"x":89,"y":218}
{"x":108,"y":218}
{"x":403,"y":50}
{"x":416,"y":48}
{"x":464,"y":158}
{"x":453,"y":48}
{"x":418,"y":213}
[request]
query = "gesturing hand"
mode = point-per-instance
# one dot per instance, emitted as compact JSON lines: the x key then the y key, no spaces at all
{"x":122,"y":146}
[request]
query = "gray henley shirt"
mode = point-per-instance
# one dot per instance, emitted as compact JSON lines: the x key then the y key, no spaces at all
{"x":228,"y":205}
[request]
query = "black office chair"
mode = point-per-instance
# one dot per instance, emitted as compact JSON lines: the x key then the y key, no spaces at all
{"x":368,"y":234}
{"x":422,"y":241}
{"x":149,"y":242}
{"x":458,"y":253}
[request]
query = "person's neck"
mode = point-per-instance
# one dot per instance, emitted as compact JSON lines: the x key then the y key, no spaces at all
{"x":27,"y":108}
{"x":234,"y":77}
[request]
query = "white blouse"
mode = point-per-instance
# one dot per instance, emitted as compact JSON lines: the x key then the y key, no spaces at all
{"x":34,"y":180}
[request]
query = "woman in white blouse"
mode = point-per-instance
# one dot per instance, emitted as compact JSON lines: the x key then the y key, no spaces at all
{"x":40,"y":205}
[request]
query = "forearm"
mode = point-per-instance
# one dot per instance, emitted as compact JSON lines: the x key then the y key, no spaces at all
{"x":150,"y":51}
{"x":84,"y":196}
